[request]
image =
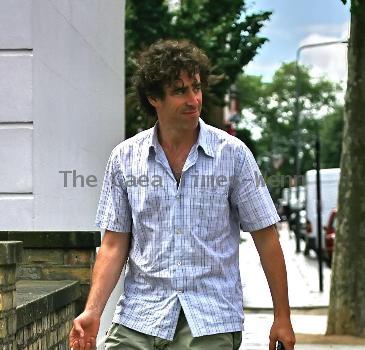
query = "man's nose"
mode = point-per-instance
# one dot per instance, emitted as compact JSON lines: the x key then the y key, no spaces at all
{"x":192,"y":98}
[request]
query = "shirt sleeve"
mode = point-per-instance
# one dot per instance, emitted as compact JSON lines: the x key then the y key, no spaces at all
{"x":114,"y":211}
{"x":250,"y":196}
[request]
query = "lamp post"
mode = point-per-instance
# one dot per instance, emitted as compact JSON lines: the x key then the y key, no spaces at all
{"x":297,"y":160}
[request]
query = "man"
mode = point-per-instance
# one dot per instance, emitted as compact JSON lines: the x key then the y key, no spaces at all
{"x":173,"y":200}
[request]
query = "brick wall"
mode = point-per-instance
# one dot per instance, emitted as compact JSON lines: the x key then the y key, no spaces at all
{"x":44,"y":282}
{"x":59,"y":264}
{"x":10,"y":255}
{"x":49,"y":332}
{"x":58,"y":255}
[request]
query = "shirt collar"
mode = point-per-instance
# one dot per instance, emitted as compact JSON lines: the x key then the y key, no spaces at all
{"x":204,"y":141}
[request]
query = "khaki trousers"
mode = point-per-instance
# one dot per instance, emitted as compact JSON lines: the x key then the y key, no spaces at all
{"x":124,"y":338}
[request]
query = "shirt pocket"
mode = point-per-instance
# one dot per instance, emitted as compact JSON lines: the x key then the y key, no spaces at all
{"x":209,"y":210}
{"x":150,"y":208}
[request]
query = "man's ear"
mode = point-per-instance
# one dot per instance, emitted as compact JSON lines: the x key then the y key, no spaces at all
{"x":152,"y":100}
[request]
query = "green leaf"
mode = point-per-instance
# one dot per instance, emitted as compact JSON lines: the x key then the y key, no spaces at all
{"x":227,"y":32}
{"x":272,"y":105}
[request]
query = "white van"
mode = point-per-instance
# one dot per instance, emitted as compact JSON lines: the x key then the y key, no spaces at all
{"x":330,"y":179}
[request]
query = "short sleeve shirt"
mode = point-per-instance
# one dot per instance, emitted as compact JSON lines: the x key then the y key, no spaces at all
{"x":184,"y":236}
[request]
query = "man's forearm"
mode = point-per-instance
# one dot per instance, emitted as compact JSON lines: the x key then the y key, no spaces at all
{"x":275,"y":271}
{"x":273,"y":264}
{"x":109,"y":264}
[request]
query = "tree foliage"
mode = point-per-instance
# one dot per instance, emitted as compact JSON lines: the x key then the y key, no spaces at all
{"x":245,"y":135}
{"x":227,"y":33}
{"x":331,"y":138}
{"x":355,"y":4}
{"x":273,"y":106}
{"x":229,"y":38}
{"x":145,"y":23}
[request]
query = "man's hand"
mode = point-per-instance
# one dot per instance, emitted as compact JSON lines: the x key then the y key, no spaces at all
{"x":84,"y":331}
{"x":109,"y":263}
{"x":282,"y":330}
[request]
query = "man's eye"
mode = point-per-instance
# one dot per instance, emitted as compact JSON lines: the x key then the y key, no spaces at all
{"x":197,"y":88}
{"x":179,"y":91}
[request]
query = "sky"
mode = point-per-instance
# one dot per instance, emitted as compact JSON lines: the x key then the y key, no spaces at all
{"x":300,"y":22}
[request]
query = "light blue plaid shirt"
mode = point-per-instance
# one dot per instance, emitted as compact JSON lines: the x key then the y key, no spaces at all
{"x":185,"y":238}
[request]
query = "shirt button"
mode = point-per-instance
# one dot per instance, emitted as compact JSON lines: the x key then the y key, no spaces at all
{"x":178,"y":196}
{"x":180,"y":291}
{"x":179,"y":263}
{"x":178,"y":230}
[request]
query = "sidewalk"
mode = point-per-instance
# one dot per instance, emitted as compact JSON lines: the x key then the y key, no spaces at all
{"x":309,"y":306}
{"x":309,"y":330}
{"x":303,"y":280}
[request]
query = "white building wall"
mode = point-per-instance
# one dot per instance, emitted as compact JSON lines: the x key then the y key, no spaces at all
{"x":61,"y":109}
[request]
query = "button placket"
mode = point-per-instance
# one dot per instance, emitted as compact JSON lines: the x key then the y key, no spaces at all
{"x":178,"y":230}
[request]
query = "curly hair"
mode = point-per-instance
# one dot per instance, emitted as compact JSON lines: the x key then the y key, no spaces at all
{"x":161,"y":64}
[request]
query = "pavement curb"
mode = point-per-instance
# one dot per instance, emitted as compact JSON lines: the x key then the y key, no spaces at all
{"x":322,"y":339}
{"x":292,"y":308}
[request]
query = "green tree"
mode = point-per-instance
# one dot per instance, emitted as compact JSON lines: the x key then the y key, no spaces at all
{"x":227,"y":33}
{"x":347,"y":300}
{"x":145,"y":23}
{"x":273,"y":105}
{"x":245,"y":135}
{"x":331,"y":138}
{"x":228,"y":36}
{"x":251,"y":90}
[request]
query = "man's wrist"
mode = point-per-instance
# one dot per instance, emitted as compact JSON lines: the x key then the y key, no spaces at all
{"x":282,"y":314}
{"x":93,"y":310}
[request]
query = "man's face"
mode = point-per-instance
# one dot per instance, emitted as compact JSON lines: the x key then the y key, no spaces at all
{"x":182,"y":103}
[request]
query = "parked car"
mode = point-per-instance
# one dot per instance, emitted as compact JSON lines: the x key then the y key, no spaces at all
{"x":330,"y":235}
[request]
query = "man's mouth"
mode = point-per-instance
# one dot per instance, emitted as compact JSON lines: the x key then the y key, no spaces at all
{"x":191,"y":112}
